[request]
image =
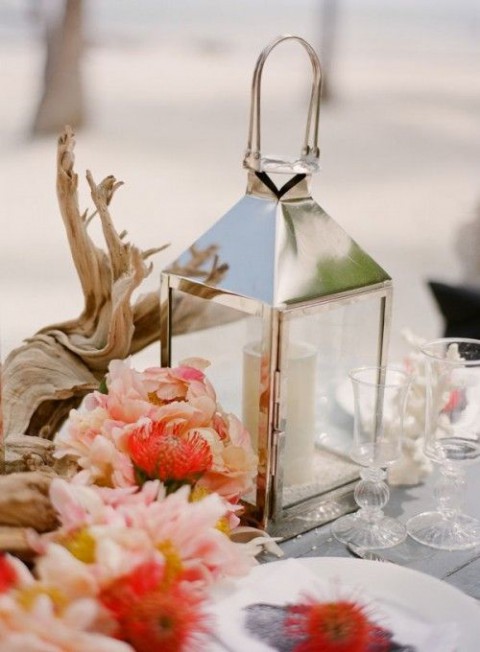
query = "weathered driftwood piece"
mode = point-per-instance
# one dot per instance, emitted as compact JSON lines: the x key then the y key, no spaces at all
{"x":24,"y":505}
{"x":25,"y":453}
{"x":15,"y":541}
{"x":24,"y":501}
{"x":54,"y":369}
{"x":30,"y":453}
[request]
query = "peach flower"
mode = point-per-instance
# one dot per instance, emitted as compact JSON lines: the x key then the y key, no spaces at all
{"x":182,"y":383}
{"x":59,"y":616}
{"x":124,"y":527}
{"x":111,"y":435}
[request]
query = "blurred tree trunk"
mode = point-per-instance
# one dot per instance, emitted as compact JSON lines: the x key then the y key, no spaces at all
{"x":62,"y":100}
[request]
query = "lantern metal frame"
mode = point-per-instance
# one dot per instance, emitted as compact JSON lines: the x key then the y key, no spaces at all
{"x":267,"y":508}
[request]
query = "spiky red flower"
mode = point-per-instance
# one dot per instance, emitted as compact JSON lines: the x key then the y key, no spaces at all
{"x":119,"y":596}
{"x":161,"y":451}
{"x":170,"y":620}
{"x":8,"y":576}
{"x":341,"y":626}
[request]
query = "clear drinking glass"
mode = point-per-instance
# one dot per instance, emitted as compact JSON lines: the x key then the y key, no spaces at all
{"x":452,"y":440}
{"x":380,"y":395}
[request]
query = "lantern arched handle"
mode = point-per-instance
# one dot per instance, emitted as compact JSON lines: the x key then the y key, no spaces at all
{"x":308,"y":161}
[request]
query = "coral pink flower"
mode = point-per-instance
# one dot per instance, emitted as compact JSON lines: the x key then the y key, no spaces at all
{"x":128,"y":563}
{"x":182,"y":383}
{"x":127,"y":399}
{"x":128,"y":527}
{"x":31,"y":619}
{"x":235,"y":463}
{"x":87,"y":437}
{"x":106,"y":465}
{"x":205,"y":552}
{"x":82,"y":429}
{"x":59,"y":569}
{"x":237,"y":433}
{"x":116,"y":444}
{"x":78,"y":506}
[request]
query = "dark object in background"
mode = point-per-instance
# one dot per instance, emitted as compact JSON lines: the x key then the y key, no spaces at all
{"x":460,"y":308}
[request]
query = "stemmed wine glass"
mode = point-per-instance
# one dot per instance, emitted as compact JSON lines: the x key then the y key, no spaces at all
{"x":380,"y":395}
{"x":452,"y":440}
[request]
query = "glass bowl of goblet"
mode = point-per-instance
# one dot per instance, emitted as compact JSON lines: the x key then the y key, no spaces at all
{"x":380,"y":395}
{"x":452,"y":440}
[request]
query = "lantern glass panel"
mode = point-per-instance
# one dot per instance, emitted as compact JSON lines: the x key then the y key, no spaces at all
{"x":321,"y":346}
{"x":218,"y":334}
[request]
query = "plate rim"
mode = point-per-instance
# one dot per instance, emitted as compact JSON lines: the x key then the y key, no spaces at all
{"x":432,"y":599}
{"x":443,"y":602}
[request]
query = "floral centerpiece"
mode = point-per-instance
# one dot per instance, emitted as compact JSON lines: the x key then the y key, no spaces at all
{"x":128,"y":569}
{"x":145,"y":522}
{"x":161,"y":424}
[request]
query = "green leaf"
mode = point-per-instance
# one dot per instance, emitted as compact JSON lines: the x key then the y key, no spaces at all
{"x":102,"y":388}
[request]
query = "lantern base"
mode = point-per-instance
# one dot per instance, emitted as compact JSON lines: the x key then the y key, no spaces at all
{"x":353,"y":529}
{"x":305,"y":515}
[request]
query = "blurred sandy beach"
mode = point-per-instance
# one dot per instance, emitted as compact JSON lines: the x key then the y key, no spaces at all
{"x":168,"y":94}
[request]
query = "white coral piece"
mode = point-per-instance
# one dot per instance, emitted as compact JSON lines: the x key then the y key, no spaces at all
{"x":413,"y":466}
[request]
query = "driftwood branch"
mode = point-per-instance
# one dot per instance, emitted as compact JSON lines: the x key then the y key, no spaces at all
{"x":24,"y":504}
{"x":24,"y":501}
{"x":14,"y":540}
{"x":53,"y":370}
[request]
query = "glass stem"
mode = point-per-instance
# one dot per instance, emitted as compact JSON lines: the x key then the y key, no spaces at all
{"x":372,"y":494}
{"x":450,"y":491}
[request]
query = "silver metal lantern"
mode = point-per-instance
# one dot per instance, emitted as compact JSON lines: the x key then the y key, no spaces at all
{"x":299,"y":305}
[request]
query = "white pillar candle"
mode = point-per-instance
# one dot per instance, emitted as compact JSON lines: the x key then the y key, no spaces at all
{"x":300,"y":409}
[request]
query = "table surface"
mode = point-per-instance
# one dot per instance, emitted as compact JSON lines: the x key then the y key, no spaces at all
{"x":459,"y":568}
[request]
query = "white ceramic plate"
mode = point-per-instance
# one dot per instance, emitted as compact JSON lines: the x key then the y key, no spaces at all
{"x":425,"y":601}
{"x":429,"y":598}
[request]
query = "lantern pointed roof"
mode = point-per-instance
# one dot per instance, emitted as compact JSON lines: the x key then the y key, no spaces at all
{"x":282,"y":248}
